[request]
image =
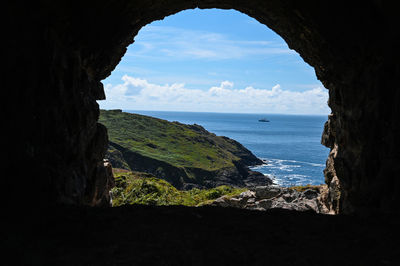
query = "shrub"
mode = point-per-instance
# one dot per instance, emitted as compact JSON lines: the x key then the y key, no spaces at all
{"x":143,"y":188}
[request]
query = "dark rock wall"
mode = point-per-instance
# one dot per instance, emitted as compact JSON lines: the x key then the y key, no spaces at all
{"x":55,"y":147}
{"x":59,"y":51}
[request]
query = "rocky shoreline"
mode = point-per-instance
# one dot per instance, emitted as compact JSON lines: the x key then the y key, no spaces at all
{"x":264,"y":198}
{"x":190,"y":157}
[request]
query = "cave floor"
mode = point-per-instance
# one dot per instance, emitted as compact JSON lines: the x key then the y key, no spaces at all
{"x":143,"y":235}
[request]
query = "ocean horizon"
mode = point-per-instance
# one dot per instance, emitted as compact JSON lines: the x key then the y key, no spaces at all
{"x":290,"y":144}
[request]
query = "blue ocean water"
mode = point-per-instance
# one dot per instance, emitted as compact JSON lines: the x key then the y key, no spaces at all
{"x":289,"y":143}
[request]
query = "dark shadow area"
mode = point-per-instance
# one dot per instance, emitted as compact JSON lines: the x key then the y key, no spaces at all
{"x":139,"y":235}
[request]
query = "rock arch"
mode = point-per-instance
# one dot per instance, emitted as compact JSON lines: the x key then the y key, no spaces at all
{"x":58,"y":52}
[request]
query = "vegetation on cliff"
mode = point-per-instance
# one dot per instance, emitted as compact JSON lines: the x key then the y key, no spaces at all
{"x":144,"y":188}
{"x":186,"y":156}
{"x":172,"y":142}
{"x":306,"y":187}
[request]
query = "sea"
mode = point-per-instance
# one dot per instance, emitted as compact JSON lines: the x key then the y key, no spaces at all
{"x":290,"y":144}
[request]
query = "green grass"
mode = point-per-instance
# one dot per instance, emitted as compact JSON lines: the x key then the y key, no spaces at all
{"x":305,"y":187}
{"x":172,"y":142}
{"x":142,"y":188}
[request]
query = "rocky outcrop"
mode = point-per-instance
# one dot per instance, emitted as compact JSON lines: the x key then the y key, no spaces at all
{"x":187,"y":178}
{"x":58,"y":53}
{"x":263,"y":198}
{"x":187,"y":156}
{"x":103,"y":185}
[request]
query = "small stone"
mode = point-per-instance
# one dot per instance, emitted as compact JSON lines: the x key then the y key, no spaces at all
{"x":247,"y":194}
{"x":251,"y":200}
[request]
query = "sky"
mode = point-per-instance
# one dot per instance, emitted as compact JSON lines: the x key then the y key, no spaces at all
{"x":213,"y":61}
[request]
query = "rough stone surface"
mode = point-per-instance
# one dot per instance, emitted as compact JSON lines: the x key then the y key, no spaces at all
{"x":104,"y":184}
{"x":266,"y":192}
{"x":310,"y":194}
{"x":58,"y":53}
{"x":272,"y":197}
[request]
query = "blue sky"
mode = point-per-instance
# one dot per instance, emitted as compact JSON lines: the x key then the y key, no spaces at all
{"x":216,"y":61}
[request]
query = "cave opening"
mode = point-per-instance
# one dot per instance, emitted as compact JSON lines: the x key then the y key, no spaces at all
{"x":57,"y":54}
{"x":223,"y":70}
{"x":65,"y":145}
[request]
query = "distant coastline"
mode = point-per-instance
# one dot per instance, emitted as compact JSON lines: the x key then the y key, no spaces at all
{"x":206,"y":112}
{"x":291,"y":144}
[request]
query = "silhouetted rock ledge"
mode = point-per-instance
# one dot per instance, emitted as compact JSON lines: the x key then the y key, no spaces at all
{"x":187,"y":156}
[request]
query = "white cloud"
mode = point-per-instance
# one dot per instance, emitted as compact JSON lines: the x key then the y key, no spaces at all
{"x":135,"y":93}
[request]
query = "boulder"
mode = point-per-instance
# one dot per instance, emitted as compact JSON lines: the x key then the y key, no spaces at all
{"x":247,"y":194}
{"x":222,"y":202}
{"x":267,"y":192}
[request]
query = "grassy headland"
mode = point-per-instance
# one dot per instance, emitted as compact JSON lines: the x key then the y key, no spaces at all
{"x":187,"y":156}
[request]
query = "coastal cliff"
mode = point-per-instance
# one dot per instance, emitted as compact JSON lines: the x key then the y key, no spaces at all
{"x":186,"y":156}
